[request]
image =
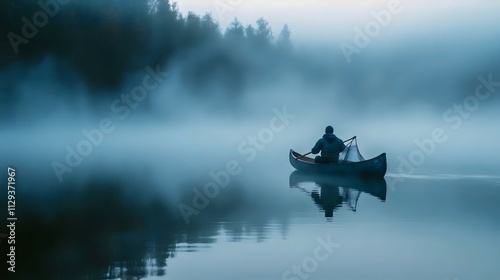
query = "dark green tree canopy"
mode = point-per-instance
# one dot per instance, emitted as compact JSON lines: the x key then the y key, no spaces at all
{"x":104,"y":41}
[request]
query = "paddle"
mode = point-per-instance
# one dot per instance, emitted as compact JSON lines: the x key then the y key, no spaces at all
{"x":304,"y":155}
{"x":311,"y":151}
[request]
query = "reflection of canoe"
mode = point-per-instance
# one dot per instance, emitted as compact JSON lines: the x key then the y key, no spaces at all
{"x":376,"y":187}
{"x":375,"y":167}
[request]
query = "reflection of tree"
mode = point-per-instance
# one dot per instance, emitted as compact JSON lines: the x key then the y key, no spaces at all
{"x":101,"y":229}
{"x":114,"y":229}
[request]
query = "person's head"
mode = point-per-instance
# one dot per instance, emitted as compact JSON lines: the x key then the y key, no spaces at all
{"x":329,"y":129}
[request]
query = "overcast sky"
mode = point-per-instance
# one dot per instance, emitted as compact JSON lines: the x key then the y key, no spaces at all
{"x":340,"y":17}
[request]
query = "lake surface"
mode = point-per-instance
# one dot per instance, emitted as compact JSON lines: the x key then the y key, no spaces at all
{"x":122,"y":221}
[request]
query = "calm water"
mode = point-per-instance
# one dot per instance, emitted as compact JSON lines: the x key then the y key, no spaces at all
{"x":268,"y":223}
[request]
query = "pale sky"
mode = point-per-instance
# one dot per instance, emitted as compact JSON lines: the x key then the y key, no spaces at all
{"x":307,"y":18}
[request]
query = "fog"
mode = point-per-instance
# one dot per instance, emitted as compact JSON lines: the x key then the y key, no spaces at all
{"x":396,"y":90}
{"x":115,"y":113}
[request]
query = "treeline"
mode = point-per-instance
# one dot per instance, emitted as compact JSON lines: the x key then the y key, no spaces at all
{"x":103,"y":41}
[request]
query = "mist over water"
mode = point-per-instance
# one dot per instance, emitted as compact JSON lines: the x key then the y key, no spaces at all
{"x":240,"y":99}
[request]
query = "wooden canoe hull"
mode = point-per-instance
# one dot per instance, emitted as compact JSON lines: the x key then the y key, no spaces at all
{"x":375,"y":167}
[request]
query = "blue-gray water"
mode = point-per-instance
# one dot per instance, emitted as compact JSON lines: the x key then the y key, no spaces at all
{"x":123,"y":222}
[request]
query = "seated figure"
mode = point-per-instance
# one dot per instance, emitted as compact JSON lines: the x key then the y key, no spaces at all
{"x":330,"y":147}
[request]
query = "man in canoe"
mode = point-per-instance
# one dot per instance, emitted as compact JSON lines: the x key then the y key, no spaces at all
{"x":330,"y":146}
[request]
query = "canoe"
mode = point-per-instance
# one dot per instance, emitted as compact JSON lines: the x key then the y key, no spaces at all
{"x":375,"y":167}
{"x":376,"y":187}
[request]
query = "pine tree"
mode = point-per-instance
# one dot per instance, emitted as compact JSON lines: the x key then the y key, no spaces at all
{"x":264,"y":34}
{"x":235,"y":31}
{"x":284,"y":39}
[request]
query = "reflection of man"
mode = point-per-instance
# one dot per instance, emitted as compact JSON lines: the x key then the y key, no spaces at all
{"x":329,"y":199}
{"x":330,"y":146}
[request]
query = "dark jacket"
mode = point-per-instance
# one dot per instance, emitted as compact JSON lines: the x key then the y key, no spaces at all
{"x":330,"y":146}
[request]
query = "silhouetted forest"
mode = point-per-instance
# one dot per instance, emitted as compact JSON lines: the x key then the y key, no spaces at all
{"x":101,"y":42}
{"x":101,"y":48}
